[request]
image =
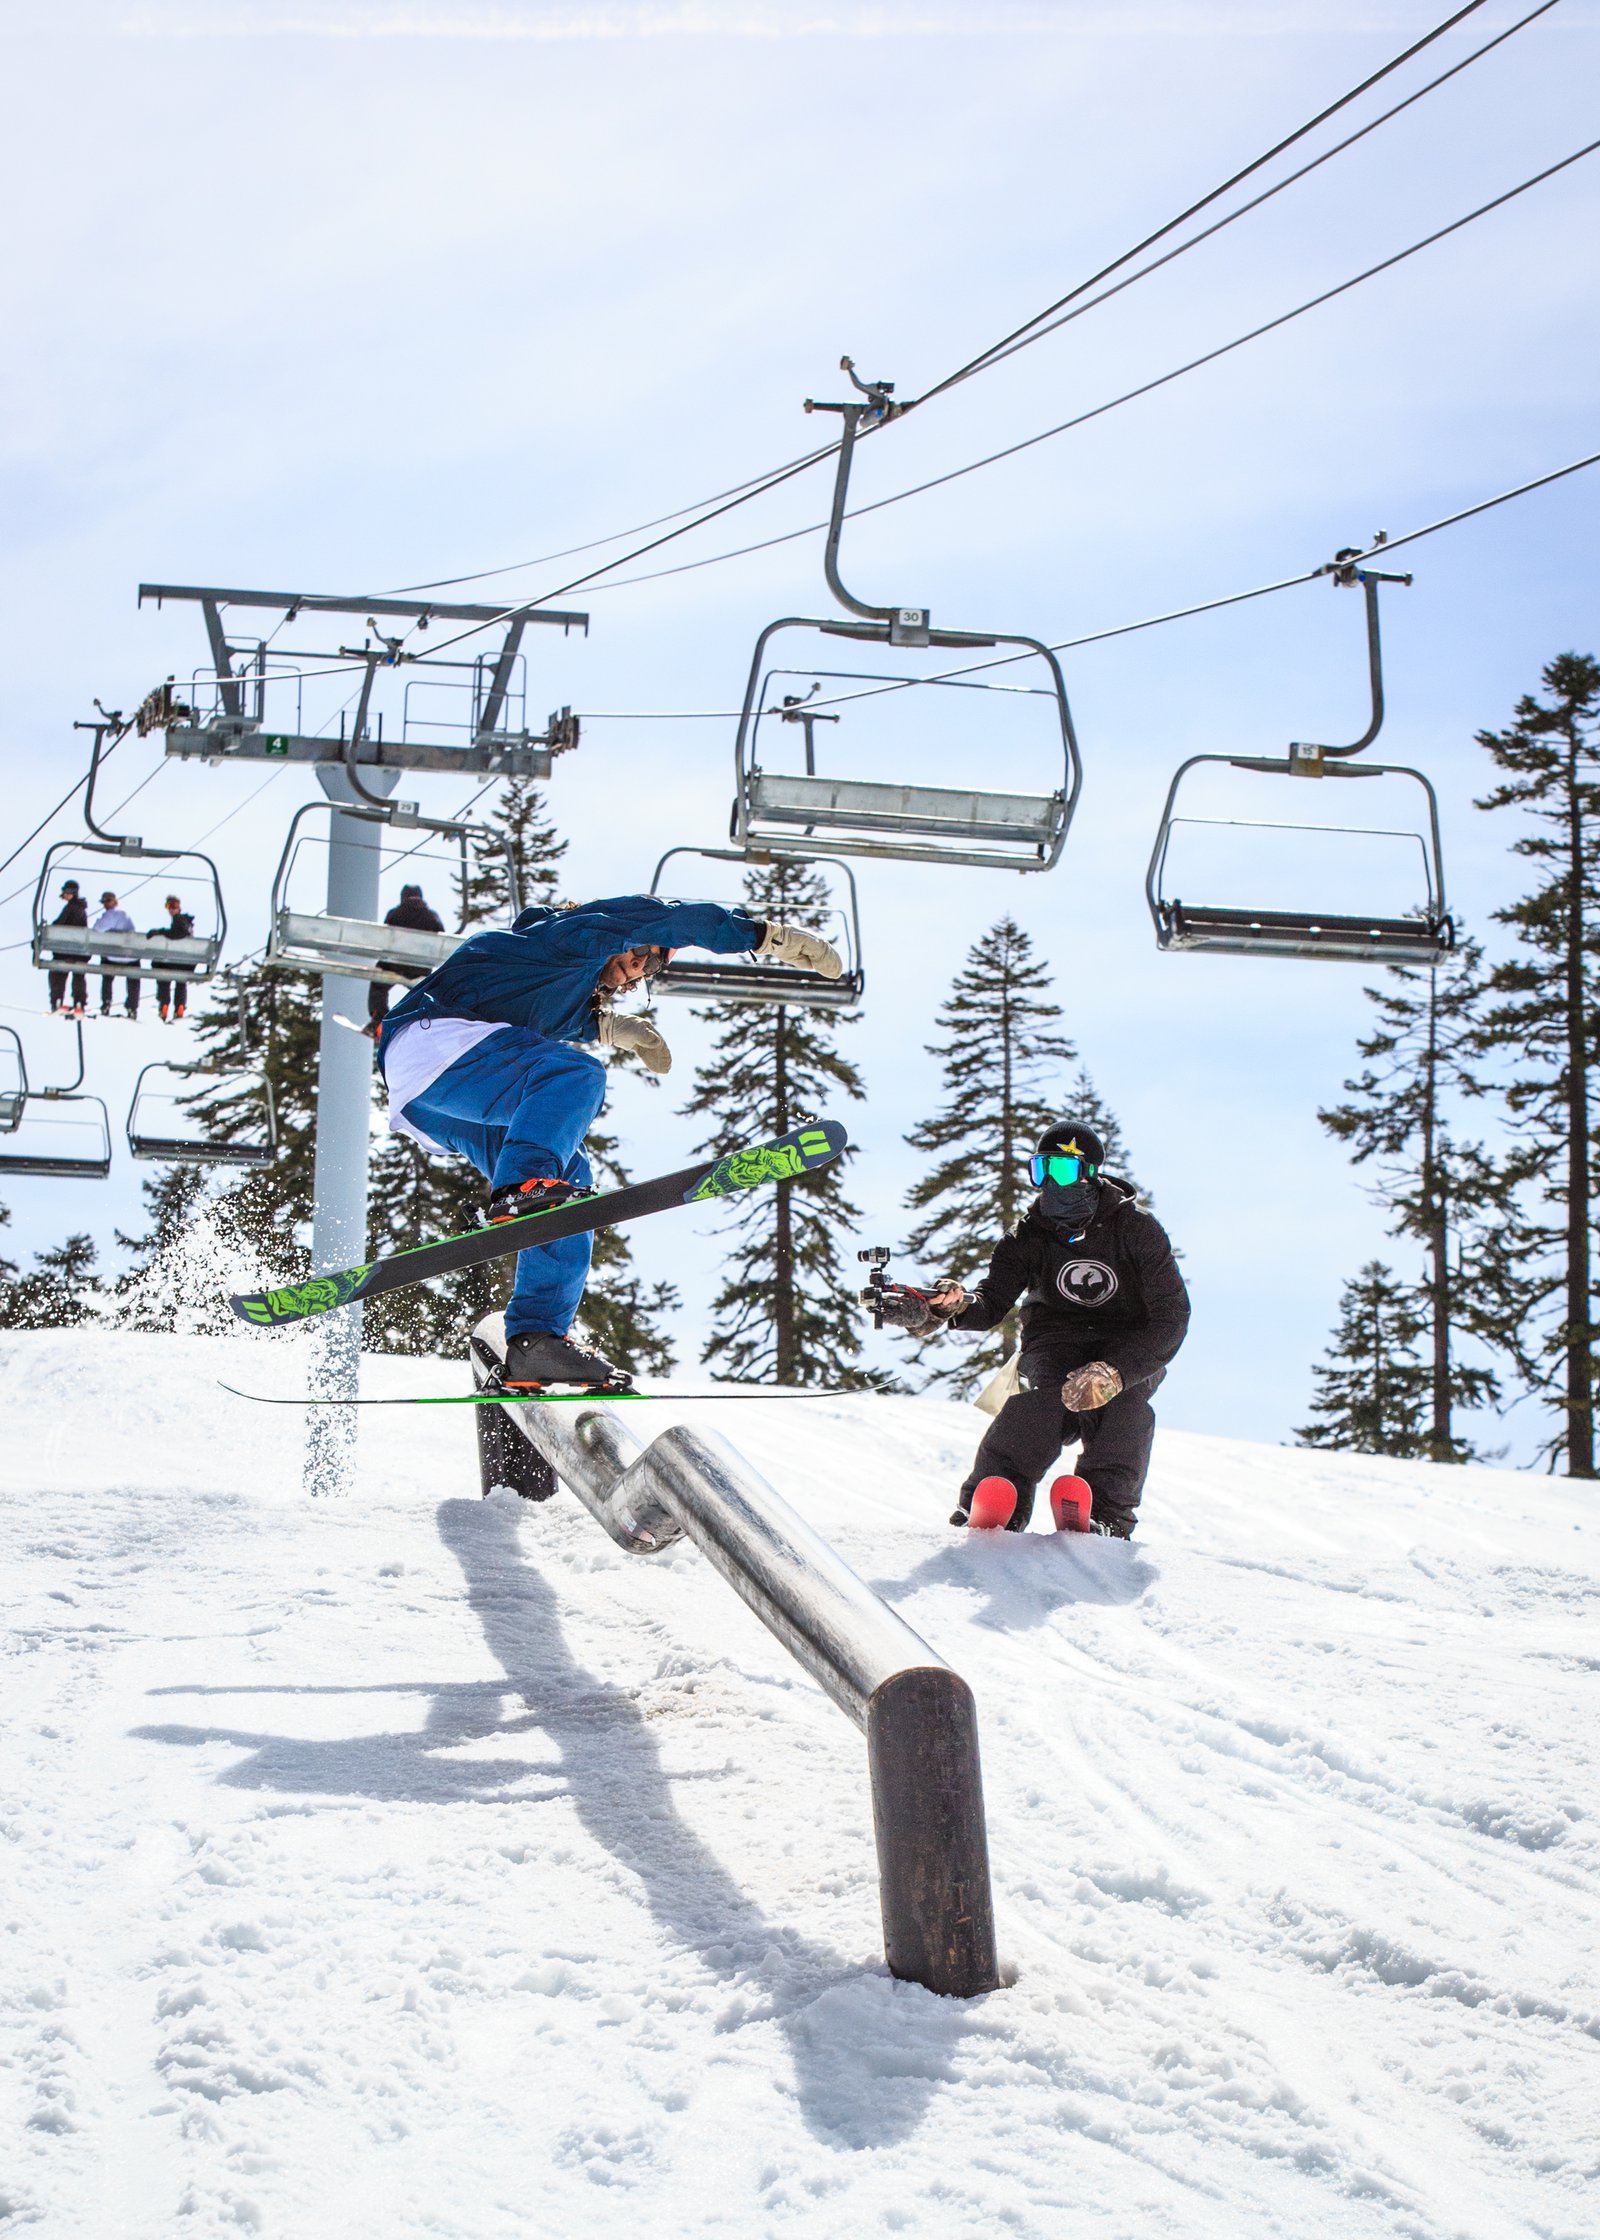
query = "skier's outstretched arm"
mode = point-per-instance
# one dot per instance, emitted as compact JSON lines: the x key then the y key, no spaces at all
{"x":995,"y":1296}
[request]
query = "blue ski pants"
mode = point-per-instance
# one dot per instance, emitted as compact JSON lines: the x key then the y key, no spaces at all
{"x":519,"y":1106}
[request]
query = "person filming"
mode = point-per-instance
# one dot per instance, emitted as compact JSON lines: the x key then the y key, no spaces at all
{"x":1104,"y":1310}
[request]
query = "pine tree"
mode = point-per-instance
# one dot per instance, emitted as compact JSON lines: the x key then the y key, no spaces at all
{"x":265,"y":1027}
{"x":524,"y":837}
{"x":62,"y":1290}
{"x":1004,"y":1064}
{"x":784,"y":1311}
{"x":8,"y":1268}
{"x":1544,"y":1020}
{"x":1372,"y":1389}
{"x":1448,"y":1194}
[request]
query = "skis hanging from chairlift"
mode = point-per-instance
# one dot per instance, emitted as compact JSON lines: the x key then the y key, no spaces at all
{"x":779,"y":813}
{"x":1421,"y":932}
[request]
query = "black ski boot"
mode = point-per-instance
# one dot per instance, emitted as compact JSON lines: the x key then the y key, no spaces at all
{"x":513,"y":1199}
{"x":539,"y":1358}
{"x":1113,"y":1524}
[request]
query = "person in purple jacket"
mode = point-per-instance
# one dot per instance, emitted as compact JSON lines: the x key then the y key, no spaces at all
{"x":486,"y":1058}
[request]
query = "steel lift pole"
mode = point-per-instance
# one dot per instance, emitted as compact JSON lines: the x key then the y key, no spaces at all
{"x":344,"y":1129}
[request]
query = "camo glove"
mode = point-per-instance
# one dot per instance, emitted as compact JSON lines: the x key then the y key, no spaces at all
{"x":1092,"y":1386}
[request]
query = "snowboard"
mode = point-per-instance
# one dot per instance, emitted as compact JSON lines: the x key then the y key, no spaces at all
{"x":528,"y":1399}
{"x":784,"y":1159}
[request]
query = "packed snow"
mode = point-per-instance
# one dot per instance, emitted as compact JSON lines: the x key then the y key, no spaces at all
{"x":415,"y":1864}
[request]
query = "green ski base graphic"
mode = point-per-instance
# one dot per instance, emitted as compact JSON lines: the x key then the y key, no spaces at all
{"x":785,"y":1159}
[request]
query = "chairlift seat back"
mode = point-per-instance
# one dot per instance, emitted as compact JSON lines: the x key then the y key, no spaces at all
{"x":193,"y":957}
{"x":1304,"y":933}
{"x":856,"y":816}
{"x":54,"y":1155}
{"x":311,"y":941}
{"x":729,"y":980}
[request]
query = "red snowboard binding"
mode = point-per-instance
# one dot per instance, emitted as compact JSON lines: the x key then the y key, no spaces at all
{"x":1070,"y":1502}
{"x":994,"y":1504}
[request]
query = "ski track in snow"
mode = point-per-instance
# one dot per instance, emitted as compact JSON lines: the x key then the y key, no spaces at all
{"x":417,"y":1865}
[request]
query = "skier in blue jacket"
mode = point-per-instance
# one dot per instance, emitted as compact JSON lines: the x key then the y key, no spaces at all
{"x":483,"y":1058}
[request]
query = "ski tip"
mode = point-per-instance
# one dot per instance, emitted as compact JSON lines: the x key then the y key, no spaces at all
{"x":269,"y":1310}
{"x":785,"y":1159}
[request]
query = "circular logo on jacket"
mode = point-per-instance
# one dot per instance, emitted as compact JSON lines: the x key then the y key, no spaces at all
{"x":1086,"y":1283}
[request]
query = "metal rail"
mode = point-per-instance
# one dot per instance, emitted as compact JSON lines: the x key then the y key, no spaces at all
{"x":918,"y":1715}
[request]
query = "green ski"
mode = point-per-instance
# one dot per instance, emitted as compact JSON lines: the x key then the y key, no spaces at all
{"x":785,"y":1159}
{"x":534,"y":1399}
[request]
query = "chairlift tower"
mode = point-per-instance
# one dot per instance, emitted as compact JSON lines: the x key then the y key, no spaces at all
{"x":248,"y":706}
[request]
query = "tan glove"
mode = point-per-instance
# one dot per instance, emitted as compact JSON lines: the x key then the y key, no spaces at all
{"x":793,"y":945}
{"x":1091,"y":1386}
{"x":621,"y":1030}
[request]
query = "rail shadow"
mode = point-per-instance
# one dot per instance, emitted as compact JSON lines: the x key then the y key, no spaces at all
{"x":868,"y":2053}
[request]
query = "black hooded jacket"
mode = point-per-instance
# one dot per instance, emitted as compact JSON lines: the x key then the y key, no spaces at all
{"x":1111,"y":1292}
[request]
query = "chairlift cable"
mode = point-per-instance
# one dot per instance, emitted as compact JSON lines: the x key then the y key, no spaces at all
{"x":1128,"y":396}
{"x":1220,"y":225}
{"x":1017,"y":334}
{"x":1126,"y":629}
{"x":756,"y":485}
{"x":65,"y":798}
{"x":642,"y":528}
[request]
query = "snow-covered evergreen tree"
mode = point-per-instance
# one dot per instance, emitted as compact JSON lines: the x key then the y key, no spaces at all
{"x":785,"y":1311}
{"x":524,"y":836}
{"x":1005,"y":1070}
{"x":1372,"y":1387}
{"x":260,"y":1025}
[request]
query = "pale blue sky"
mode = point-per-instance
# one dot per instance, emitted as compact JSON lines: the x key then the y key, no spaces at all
{"x":352,"y":297}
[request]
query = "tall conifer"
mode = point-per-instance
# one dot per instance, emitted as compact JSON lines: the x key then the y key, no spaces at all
{"x":785,"y":1311}
{"x":1372,"y":1388}
{"x":1005,"y":1064}
{"x":1448,"y":1194}
{"x":1542,"y":1016}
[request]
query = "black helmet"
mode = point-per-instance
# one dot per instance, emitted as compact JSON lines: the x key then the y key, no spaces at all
{"x":1075,"y":1136}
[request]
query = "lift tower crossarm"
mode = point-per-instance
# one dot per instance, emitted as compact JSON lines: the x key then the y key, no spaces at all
{"x":240,"y":729}
{"x":308,"y":602}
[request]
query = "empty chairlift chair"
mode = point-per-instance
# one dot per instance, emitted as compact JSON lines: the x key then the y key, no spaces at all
{"x":1420,"y":931}
{"x":781,"y":812}
{"x":747,"y":979}
{"x":163,"y":1124}
{"x":60,"y":1131}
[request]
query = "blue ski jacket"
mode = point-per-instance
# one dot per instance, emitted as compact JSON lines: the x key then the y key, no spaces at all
{"x":541,"y":972}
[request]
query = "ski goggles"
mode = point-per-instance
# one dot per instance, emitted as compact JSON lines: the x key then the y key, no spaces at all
{"x":1063,"y":1167}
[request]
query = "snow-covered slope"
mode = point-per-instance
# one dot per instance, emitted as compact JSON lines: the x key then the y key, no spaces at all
{"x":415,"y":1865}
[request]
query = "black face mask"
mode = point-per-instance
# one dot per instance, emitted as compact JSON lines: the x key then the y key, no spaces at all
{"x":1070,"y":1205}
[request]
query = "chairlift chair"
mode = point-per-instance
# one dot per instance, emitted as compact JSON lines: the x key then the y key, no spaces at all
{"x":1423,"y":934}
{"x":300,"y":940}
{"x":752,"y":980}
{"x":154,"y":1132}
{"x":74,"y":1145}
{"x":13,"y":1081}
{"x":777,"y":813}
{"x":79,"y":949}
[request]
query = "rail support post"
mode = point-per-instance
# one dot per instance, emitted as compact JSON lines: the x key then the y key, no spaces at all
{"x":933,"y":1852}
